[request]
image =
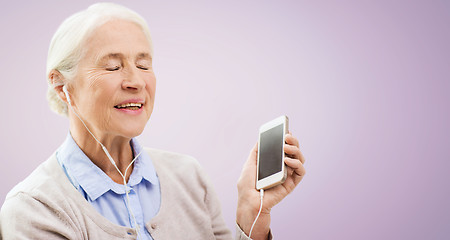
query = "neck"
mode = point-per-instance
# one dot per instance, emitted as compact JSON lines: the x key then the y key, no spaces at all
{"x":118,"y":147}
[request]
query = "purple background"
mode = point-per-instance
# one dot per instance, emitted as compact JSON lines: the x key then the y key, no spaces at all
{"x":365,"y":84}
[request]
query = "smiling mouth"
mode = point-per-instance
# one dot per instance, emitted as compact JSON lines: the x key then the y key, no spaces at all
{"x":129,"y":106}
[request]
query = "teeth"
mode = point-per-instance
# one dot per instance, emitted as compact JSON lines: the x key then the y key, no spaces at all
{"x":139,"y":105}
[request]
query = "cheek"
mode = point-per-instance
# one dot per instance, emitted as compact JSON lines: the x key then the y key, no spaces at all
{"x":100,"y":88}
{"x":93,"y":76}
{"x":103,"y":105}
{"x":151,"y":83}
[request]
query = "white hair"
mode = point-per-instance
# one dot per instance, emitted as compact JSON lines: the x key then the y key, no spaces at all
{"x":66,"y":47}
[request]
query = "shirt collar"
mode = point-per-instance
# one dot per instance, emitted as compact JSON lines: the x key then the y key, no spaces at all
{"x":83,"y":173}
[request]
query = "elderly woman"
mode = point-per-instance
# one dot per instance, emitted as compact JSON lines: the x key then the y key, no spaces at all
{"x":101,"y":184}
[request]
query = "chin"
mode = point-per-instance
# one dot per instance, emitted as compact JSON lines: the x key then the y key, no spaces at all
{"x":131,"y":133}
{"x":130,"y":127}
{"x":130,"y":130}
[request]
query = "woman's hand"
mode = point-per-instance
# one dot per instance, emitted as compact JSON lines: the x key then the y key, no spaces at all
{"x":249,"y":198}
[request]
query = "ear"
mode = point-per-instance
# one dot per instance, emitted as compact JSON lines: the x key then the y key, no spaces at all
{"x":56,"y":79}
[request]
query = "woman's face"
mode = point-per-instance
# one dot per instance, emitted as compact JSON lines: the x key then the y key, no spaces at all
{"x":114,"y":89}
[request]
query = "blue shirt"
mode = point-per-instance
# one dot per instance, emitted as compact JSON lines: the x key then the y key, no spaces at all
{"x":107,"y":196}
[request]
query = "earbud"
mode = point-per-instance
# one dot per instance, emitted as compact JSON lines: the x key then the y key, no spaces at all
{"x":67,"y":94}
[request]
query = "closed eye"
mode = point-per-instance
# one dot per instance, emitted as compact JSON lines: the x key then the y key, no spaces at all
{"x":142,"y":67}
{"x":113,"y":68}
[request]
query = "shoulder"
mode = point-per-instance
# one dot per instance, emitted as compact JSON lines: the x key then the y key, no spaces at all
{"x":35,"y":206}
{"x":165,"y":160}
{"x":47,"y":184}
{"x":179,"y":170}
{"x":169,"y":157}
{"x":186,"y":192}
{"x":40,"y":179}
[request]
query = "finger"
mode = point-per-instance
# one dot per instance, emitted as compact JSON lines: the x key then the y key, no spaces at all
{"x":250,"y":163}
{"x":292,"y":151}
{"x":290,"y":171}
{"x":296,"y":166}
{"x":253,"y":152}
{"x":248,"y":172}
{"x":255,"y":149}
{"x":293,"y":178}
{"x":291,"y":140}
{"x":302,"y":158}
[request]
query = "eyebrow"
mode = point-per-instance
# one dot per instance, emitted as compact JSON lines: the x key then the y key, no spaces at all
{"x":142,"y":55}
{"x":109,"y":56}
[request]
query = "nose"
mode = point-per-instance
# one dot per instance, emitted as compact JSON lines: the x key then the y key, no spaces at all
{"x":133,"y":80}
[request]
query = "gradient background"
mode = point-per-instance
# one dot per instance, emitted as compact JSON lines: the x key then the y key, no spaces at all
{"x":365,"y":84}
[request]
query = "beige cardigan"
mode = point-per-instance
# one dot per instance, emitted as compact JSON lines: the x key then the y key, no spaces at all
{"x":47,"y":206}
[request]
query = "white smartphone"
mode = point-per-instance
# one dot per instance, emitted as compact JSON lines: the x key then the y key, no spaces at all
{"x":271,"y":169}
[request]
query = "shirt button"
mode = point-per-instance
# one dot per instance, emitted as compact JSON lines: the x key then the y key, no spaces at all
{"x":153,"y":225}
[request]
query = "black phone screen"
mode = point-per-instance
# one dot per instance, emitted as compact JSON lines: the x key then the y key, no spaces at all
{"x":271,"y":152}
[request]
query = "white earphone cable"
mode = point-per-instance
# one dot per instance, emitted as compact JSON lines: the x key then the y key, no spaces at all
{"x":261,"y":194}
{"x":137,"y":228}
